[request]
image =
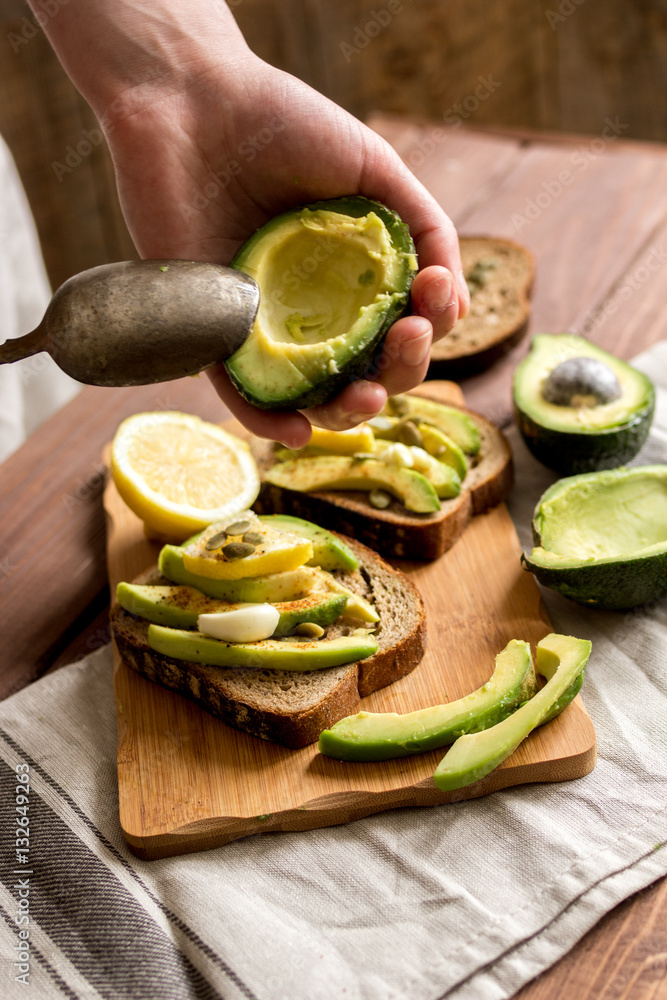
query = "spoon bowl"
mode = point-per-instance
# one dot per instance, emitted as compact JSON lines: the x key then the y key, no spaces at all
{"x":142,"y":321}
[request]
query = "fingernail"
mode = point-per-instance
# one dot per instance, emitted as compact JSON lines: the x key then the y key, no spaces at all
{"x":464,"y":291}
{"x":414,"y":352}
{"x":439,"y":294}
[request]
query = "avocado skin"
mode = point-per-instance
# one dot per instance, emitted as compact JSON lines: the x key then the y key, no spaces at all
{"x":616,"y":584}
{"x":570,"y":454}
{"x":571,"y":451}
{"x":364,"y":363}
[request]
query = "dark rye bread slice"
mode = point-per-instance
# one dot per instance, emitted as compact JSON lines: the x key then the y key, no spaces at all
{"x":396,"y":532}
{"x":500,"y":275}
{"x":290,"y":707}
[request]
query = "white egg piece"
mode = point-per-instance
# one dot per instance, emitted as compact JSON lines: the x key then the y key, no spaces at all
{"x":247,"y":623}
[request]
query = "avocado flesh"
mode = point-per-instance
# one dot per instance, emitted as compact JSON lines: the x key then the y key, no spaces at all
{"x":443,"y":448}
{"x":382,"y":736}
{"x":451,"y":421}
{"x":443,"y":477}
{"x":269,"y":654}
{"x":356,"y":606}
{"x":329,"y":552}
{"x":287,"y":586}
{"x":336,"y":472}
{"x":434,"y":442}
{"x":601,"y":537}
{"x":576,"y":439}
{"x":560,"y":659}
{"x":179,"y":607}
{"x":333,"y":277}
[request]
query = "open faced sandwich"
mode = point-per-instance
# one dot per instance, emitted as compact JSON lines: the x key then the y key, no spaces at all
{"x":272,"y":624}
{"x":406,"y":482}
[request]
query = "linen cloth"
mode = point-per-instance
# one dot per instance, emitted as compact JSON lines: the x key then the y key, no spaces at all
{"x":31,"y":389}
{"x":467,"y":901}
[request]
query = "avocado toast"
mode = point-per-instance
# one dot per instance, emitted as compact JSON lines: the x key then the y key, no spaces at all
{"x":446,"y":499}
{"x":378,"y":637}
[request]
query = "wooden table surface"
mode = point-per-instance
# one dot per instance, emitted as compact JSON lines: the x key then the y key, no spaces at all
{"x":594,"y":211}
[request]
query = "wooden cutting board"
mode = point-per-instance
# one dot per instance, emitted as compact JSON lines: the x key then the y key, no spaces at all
{"x":187,"y":782}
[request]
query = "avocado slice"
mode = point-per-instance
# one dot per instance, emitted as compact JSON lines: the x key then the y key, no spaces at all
{"x":333,"y":277}
{"x":431,"y":439}
{"x":600,"y":538}
{"x":453,"y":422}
{"x":286,"y":586}
{"x":356,"y":606}
{"x":329,"y":551}
{"x":180,"y":607}
{"x":338,"y":472}
{"x":385,"y":735}
{"x":269,"y":654}
{"x":442,"y":447}
{"x":579,"y":408}
{"x":444,"y":478}
{"x":560,"y":659}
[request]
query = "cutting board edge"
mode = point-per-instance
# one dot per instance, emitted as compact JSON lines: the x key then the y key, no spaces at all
{"x":213,"y":833}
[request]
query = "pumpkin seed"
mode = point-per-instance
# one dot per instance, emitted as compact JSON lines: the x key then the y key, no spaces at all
{"x":379,"y":499}
{"x":309,"y":629}
{"x":253,"y":537}
{"x":409,"y":433}
{"x":398,"y":406}
{"x":237,"y":550}
{"x":238,"y":528}
{"x":215,"y":541}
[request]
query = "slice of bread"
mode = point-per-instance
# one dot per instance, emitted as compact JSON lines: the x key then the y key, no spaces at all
{"x":396,"y":532}
{"x":289,"y":707}
{"x":500,"y":276}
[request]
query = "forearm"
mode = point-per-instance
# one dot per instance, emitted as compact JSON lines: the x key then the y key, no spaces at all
{"x":120,"y":52}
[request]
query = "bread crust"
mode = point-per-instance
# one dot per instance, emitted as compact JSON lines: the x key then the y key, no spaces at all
{"x":331,"y":694}
{"x":475,"y":343}
{"x":396,"y":532}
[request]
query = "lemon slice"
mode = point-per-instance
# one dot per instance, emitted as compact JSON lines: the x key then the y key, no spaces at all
{"x":234,"y":558}
{"x":179,"y":473}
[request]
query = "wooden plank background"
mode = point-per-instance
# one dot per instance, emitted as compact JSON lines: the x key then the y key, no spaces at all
{"x":553,"y":64}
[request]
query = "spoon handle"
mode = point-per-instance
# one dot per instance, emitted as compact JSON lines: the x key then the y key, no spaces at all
{"x":22,"y":347}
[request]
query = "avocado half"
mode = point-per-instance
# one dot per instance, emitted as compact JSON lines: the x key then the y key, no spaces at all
{"x":590,"y":427}
{"x":601,"y":538}
{"x":333,"y":277}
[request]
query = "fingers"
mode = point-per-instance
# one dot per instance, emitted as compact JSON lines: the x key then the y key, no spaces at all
{"x":359,"y":401}
{"x":405,"y":355}
{"x":402,"y":365}
{"x":291,"y":429}
{"x":435,"y":297}
{"x":387,"y":178}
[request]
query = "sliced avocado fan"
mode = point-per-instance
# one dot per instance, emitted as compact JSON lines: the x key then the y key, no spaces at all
{"x":561,"y":659}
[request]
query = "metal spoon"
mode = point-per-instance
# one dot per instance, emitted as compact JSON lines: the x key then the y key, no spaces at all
{"x":142,"y":321}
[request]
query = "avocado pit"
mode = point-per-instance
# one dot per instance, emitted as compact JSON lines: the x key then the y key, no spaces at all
{"x":581,"y":382}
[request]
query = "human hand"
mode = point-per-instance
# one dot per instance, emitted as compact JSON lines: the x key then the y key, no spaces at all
{"x":206,"y":151}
